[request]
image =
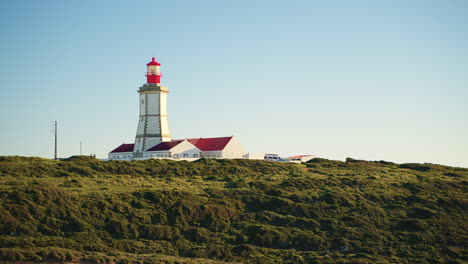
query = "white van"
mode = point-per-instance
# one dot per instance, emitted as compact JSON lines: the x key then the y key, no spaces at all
{"x":272,"y":157}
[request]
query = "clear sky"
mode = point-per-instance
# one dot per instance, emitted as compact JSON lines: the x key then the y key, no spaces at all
{"x":374,"y":80}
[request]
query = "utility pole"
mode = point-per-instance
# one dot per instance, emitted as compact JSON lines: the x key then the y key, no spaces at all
{"x":55,"y":134}
{"x":81,"y":149}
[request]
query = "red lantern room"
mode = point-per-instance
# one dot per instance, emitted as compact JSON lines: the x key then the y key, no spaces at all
{"x":153,"y":73}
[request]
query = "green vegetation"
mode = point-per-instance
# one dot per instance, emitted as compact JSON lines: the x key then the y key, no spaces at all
{"x":217,"y":211}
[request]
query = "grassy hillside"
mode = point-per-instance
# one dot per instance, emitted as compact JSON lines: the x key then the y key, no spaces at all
{"x":218,"y":211}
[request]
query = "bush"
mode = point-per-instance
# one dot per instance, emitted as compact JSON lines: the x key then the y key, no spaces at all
{"x":415,"y":166}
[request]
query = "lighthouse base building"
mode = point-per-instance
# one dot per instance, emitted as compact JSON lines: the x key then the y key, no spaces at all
{"x":193,"y":148}
{"x":153,"y":139}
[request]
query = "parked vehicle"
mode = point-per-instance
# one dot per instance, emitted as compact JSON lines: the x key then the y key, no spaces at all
{"x":273,"y":157}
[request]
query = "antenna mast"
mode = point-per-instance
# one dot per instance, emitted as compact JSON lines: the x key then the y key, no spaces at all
{"x":55,"y":134}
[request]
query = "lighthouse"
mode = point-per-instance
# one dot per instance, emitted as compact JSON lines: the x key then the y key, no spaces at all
{"x":153,"y":139}
{"x":153,"y":126}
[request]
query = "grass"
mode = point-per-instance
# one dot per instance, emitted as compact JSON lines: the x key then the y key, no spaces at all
{"x":218,"y":211}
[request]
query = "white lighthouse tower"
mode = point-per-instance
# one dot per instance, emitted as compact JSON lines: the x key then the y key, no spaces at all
{"x":153,"y":127}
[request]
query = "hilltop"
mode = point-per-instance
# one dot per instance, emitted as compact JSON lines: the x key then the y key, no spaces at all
{"x":83,"y":210}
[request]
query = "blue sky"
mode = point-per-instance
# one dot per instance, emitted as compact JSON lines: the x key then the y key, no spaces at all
{"x":374,"y":80}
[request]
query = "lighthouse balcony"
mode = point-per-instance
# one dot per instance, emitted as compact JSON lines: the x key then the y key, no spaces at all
{"x":153,"y":87}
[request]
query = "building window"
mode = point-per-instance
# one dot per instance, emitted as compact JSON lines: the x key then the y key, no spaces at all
{"x":195,"y":155}
{"x":176,"y":155}
{"x":185,"y":155}
{"x":142,"y":101}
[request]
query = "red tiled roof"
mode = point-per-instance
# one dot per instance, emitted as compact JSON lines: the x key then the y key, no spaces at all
{"x":204,"y":144}
{"x":299,"y":157}
{"x":124,"y":148}
{"x":154,"y":62}
{"x":210,"y":144}
{"x":167,"y":145}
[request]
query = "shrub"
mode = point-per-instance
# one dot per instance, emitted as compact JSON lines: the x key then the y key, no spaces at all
{"x":415,"y":166}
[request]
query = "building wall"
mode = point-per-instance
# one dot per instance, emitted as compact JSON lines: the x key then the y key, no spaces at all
{"x":233,"y":150}
{"x":254,"y":156}
{"x":218,"y":154}
{"x":121,"y":156}
{"x":164,"y":117}
{"x":185,"y":149}
{"x":157,"y":154}
{"x":154,"y":102}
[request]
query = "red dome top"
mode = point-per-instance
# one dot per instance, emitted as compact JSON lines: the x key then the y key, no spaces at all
{"x":154,"y":62}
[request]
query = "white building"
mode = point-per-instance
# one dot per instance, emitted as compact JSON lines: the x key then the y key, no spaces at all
{"x":220,"y":147}
{"x":122,"y":152}
{"x":254,"y":156}
{"x":194,"y":148}
{"x":173,"y":149}
{"x":301,"y":158}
